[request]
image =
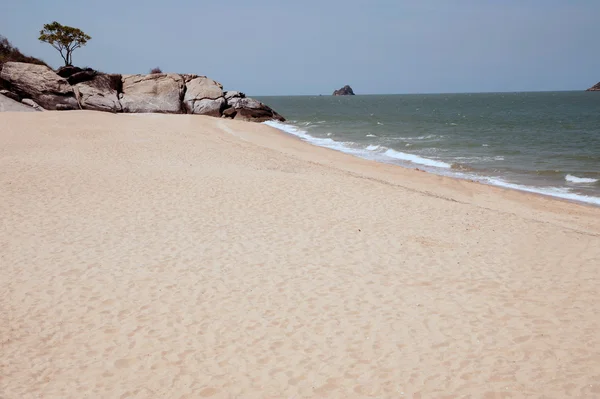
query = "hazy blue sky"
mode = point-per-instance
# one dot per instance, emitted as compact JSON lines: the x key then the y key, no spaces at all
{"x":313,"y":47}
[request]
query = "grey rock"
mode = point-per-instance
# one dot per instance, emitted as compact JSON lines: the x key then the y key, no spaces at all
{"x":99,"y":94}
{"x":39,"y":83}
{"x":161,"y":92}
{"x":9,"y":105}
{"x":233,"y":94}
{"x":209,"y":107}
{"x":201,"y":96}
{"x":32,"y":104}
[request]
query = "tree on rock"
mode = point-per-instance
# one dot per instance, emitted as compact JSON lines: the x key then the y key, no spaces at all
{"x":65,"y":39}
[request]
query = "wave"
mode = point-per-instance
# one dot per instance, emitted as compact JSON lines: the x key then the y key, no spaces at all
{"x":575,"y":179}
{"x":416,"y":159}
{"x":388,"y":155}
{"x":558,"y":192}
{"x":374,"y":152}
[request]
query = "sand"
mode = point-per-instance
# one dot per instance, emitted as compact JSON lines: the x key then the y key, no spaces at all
{"x":179,"y":256}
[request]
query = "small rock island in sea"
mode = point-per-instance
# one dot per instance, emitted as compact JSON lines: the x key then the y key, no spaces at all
{"x":344,"y":91}
{"x":596,"y":87}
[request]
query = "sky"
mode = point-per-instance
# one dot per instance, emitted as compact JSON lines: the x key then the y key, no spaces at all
{"x":280,"y":47}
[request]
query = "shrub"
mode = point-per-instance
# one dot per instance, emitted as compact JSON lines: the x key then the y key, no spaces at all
{"x":155,"y":70}
{"x":9,"y":53}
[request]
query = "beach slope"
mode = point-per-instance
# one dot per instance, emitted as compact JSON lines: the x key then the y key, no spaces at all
{"x":185,"y":256}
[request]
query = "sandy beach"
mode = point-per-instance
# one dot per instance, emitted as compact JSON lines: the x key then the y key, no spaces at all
{"x":182,"y":256}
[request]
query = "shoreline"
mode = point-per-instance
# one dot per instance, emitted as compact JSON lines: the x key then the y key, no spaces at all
{"x":152,"y":255}
{"x":427,"y":165}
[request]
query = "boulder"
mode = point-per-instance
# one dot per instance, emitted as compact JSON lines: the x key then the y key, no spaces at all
{"x":66,"y":107}
{"x":9,"y":105}
{"x":83,"y":76}
{"x":160,"y":92}
{"x":209,"y":107}
{"x":596,"y":87}
{"x":229,"y":113}
{"x":203,"y":96}
{"x":253,"y":110}
{"x":32,"y":104}
{"x":68,"y":70}
{"x":344,"y":91}
{"x":39,"y":83}
{"x":234,"y":94}
{"x":99,"y":94}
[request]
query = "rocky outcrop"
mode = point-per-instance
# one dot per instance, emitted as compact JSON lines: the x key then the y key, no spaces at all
{"x":250,"y":109}
{"x":596,"y":87}
{"x":344,"y":91}
{"x":99,"y":94}
{"x":203,"y":96}
{"x":159,"y":92}
{"x":39,"y":83}
{"x":74,"y":88}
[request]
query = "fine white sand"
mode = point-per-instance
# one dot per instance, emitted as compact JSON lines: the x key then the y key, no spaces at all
{"x":179,"y":256}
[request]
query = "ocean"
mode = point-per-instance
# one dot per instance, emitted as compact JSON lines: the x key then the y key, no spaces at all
{"x":546,"y":143}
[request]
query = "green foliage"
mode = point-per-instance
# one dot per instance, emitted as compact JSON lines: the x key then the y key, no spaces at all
{"x":65,"y":39}
{"x":8,"y":53}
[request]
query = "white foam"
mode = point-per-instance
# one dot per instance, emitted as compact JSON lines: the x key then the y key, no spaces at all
{"x":575,"y":179}
{"x":373,"y":147}
{"x":369,"y":152}
{"x":416,"y":159}
{"x":370,"y":135}
{"x":558,"y":192}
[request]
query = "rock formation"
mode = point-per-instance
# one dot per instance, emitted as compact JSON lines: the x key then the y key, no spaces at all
{"x":203,"y":96}
{"x":39,"y":83}
{"x":160,"y":92}
{"x":99,"y":94}
{"x":75,"y":88}
{"x":344,"y":91}
{"x":596,"y":87}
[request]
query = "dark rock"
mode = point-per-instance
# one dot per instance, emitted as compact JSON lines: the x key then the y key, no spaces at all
{"x":10,"y":94}
{"x":66,"y":71}
{"x":253,"y":110}
{"x":39,"y":83}
{"x":596,"y":87}
{"x":82,"y":76}
{"x":229,"y":113}
{"x":344,"y":91}
{"x":65,"y":107}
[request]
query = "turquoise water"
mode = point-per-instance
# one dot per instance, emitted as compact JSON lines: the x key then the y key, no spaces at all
{"x":540,"y":142}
